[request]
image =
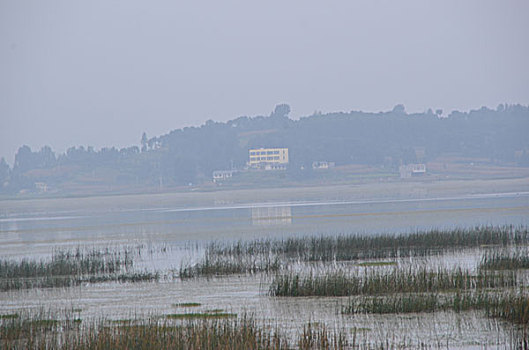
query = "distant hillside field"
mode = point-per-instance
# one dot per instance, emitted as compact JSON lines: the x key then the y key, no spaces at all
{"x":363,"y":145}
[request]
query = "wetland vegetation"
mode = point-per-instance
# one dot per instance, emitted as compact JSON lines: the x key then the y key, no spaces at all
{"x":218,"y":266}
{"x":68,"y":268}
{"x":385,"y":246}
{"x":509,"y":305}
{"x":505,"y":259}
{"x":378,"y":275}
{"x":198,"y":332}
{"x":398,"y":280}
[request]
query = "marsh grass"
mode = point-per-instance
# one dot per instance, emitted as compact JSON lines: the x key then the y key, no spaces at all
{"x":187,"y":305}
{"x":387,"y":246}
{"x":422,"y":280}
{"x":8,"y":316}
{"x":67,"y":268}
{"x":218,"y":266}
{"x":25,"y":326}
{"x":211,"y":333}
{"x":512,"y":307}
{"x":507,"y":305}
{"x":271,"y":255}
{"x":200,"y":315}
{"x":376,"y":263}
{"x":416,"y":303}
{"x":505,"y":259}
{"x":318,"y":337}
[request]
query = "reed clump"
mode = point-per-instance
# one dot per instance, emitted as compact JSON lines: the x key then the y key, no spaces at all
{"x":241,"y":334}
{"x":225,"y":334}
{"x":338,"y":283}
{"x":510,"y":306}
{"x":430,"y":302}
{"x":505,"y":260}
{"x":190,"y":304}
{"x":67,"y":268}
{"x":387,"y":246}
{"x":200,"y":315}
{"x":318,"y":337}
{"x":218,"y":266}
{"x":27,"y":327}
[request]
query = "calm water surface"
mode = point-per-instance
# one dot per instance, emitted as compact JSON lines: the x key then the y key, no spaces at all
{"x":35,"y":228}
{"x":39,"y":226}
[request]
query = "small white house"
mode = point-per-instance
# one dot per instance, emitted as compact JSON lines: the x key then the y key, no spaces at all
{"x":322,"y":165}
{"x":219,"y":175}
{"x":411,"y":170}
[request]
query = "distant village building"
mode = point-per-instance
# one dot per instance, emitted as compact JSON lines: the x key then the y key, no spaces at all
{"x":322,"y":165}
{"x":411,"y":170}
{"x":268,"y":158}
{"x":219,"y":175}
{"x":41,"y":187}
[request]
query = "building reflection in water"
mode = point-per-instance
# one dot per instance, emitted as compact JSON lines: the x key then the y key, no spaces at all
{"x":272,"y":216}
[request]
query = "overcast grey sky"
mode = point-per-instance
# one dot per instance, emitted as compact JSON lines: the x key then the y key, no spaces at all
{"x":101,"y":72}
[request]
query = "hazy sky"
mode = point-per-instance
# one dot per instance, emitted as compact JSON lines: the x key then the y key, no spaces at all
{"x":101,"y":72}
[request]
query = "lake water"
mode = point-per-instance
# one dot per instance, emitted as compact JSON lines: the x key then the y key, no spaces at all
{"x":179,"y":225}
{"x":35,"y":227}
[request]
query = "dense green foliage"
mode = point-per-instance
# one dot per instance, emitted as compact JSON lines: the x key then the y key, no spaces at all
{"x":191,"y":154}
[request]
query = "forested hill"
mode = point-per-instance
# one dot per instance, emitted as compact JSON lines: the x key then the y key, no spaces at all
{"x":191,"y":154}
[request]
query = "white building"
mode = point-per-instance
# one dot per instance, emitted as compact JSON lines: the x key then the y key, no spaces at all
{"x":411,"y":170}
{"x":219,"y":175}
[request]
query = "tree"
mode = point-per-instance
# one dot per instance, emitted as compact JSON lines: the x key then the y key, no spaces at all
{"x":144,"y":142}
{"x":281,"y":111}
{"x":399,"y":109}
{"x":23,"y":159}
{"x":46,"y":158}
{"x":4,"y":172}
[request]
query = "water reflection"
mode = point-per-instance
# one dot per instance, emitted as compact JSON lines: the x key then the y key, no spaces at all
{"x":266,"y":216}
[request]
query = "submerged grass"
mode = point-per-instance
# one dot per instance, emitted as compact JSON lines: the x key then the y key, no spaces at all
{"x":338,"y":283}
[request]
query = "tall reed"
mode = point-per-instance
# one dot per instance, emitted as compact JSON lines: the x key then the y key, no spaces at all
{"x":218,"y":266}
{"x":244,"y":333}
{"x":505,"y":259}
{"x":355,"y":246}
{"x":67,"y":268}
{"x":338,"y":283}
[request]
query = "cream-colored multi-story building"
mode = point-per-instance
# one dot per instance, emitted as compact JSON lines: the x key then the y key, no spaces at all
{"x":268,"y":156}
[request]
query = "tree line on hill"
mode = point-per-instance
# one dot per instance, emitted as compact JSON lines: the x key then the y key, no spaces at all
{"x":190,"y":155}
